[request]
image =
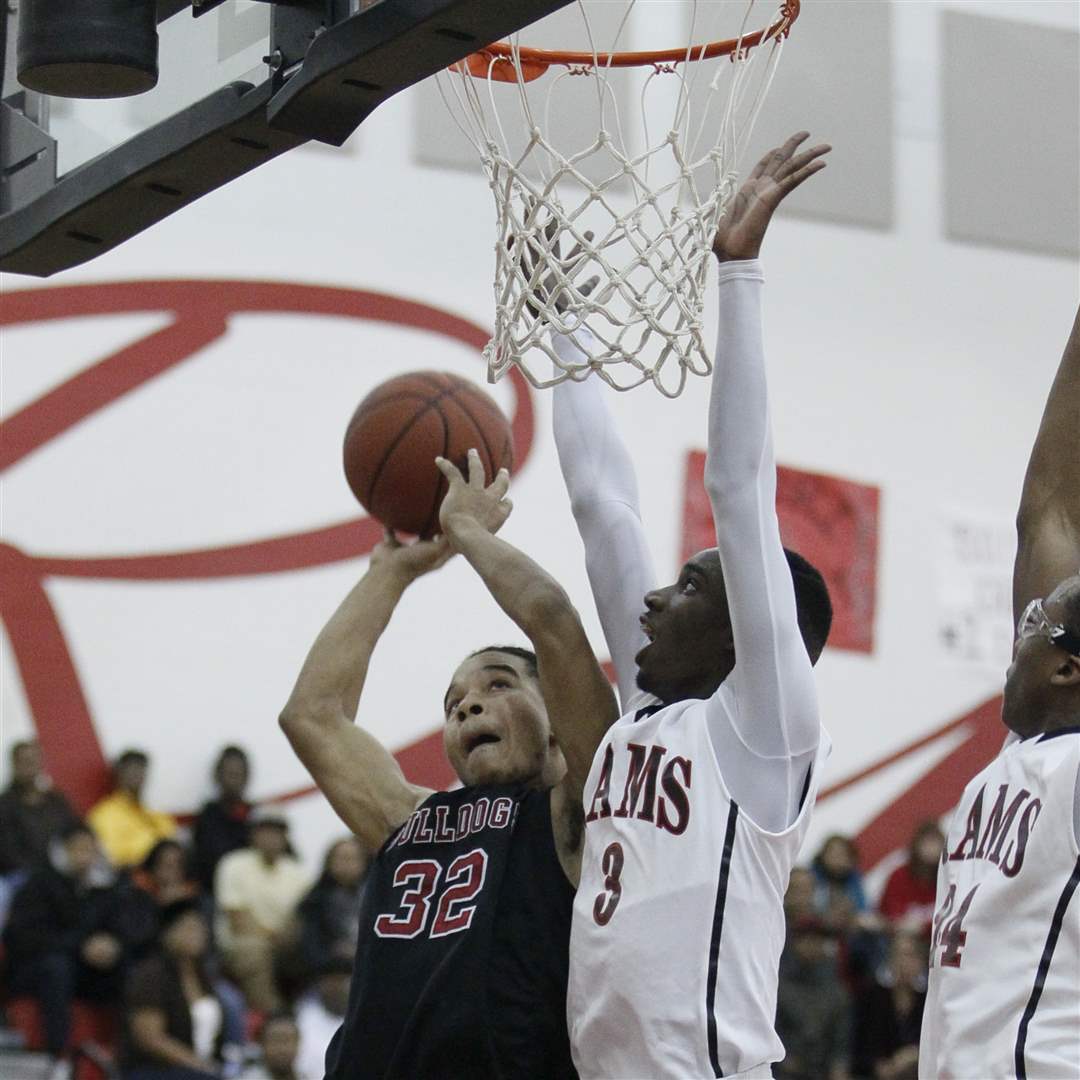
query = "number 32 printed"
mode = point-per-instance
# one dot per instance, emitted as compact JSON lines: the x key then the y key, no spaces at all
{"x":420,"y":880}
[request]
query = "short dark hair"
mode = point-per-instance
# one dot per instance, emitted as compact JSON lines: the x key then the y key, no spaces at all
{"x":22,"y":744}
{"x":513,"y":650}
{"x":149,"y":864}
{"x":812,"y":603}
{"x":230,"y":751}
{"x":131,"y":756}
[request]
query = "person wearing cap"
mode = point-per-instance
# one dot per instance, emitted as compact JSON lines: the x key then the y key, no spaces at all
{"x":257,"y":889}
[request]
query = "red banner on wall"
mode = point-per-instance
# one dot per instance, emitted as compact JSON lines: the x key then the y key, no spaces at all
{"x":828,"y":520}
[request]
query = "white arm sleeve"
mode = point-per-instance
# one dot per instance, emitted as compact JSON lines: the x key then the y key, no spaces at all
{"x":764,"y":720}
{"x":603,"y":491}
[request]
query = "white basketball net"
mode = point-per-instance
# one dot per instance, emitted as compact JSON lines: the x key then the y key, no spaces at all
{"x":652,"y":206}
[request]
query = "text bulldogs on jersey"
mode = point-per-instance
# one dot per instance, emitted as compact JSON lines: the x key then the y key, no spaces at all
{"x":988,"y":843}
{"x":671,"y":811}
{"x":472,"y":817}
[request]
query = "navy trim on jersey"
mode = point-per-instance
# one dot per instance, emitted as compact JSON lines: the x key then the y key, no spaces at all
{"x":1044,"y":968}
{"x":717,"y":930}
{"x":1060,"y":731}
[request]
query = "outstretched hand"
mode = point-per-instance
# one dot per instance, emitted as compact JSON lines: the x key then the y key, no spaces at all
{"x":470,"y":500}
{"x":410,"y":560}
{"x":548,"y":289}
{"x":743,"y":225}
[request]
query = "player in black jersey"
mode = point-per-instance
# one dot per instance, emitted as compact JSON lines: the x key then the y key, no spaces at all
{"x":462,"y":961}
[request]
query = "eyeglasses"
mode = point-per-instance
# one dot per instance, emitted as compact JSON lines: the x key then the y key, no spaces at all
{"x":1034,"y":621}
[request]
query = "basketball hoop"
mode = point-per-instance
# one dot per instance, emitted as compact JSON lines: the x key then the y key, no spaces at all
{"x":650,"y":207}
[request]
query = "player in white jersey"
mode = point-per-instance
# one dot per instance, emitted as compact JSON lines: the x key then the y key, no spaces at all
{"x":700,"y":795}
{"x":1004,"y":993}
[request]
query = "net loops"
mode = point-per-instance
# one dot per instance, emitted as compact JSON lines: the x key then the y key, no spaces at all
{"x":614,"y":234}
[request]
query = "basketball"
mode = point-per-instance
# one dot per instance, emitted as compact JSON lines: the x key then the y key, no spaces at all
{"x":400,"y":428}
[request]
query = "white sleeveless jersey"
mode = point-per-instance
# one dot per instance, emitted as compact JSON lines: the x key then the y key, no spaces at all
{"x":678,"y":922}
{"x":1004,"y":993}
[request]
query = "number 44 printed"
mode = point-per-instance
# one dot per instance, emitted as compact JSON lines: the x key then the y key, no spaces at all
{"x":420,"y":879}
{"x":949,"y":929}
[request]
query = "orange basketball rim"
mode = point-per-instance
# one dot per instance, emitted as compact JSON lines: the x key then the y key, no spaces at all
{"x":497,"y":61}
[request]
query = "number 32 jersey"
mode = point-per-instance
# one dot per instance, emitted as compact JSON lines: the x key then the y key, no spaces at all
{"x":1004,"y":993}
{"x":678,"y":920}
{"x":461,"y":965}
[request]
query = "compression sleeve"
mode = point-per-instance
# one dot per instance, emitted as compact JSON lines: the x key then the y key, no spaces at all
{"x":602,"y":486}
{"x":764,"y":719}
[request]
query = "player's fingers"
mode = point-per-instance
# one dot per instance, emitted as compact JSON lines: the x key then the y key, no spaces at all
{"x":800,"y":161}
{"x":448,"y":469}
{"x":476,"y":469}
{"x":793,"y":181}
{"x":782,"y":153}
{"x":501,"y":484}
{"x":589,"y":285}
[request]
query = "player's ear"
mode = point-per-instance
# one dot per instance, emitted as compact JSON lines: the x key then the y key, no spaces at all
{"x":1067,"y":674}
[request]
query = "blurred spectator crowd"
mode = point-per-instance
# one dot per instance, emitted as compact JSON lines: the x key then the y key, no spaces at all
{"x":136,"y":947}
{"x":140,"y":947}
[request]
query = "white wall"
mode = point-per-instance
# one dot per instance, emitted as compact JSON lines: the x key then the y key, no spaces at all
{"x":896,"y":358}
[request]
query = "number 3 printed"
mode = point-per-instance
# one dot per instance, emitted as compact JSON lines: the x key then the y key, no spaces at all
{"x":605,"y":904}
{"x":465,"y":878}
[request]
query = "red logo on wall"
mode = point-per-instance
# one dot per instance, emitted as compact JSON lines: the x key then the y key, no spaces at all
{"x":200,"y":315}
{"x":828,"y":520}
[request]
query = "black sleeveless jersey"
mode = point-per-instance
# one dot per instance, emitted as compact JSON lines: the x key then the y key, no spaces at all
{"x":463,"y":958}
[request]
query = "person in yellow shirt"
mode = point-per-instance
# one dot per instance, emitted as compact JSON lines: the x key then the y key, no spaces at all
{"x":127,"y":829}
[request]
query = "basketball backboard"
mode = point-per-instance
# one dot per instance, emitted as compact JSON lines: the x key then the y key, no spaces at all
{"x":240,"y":82}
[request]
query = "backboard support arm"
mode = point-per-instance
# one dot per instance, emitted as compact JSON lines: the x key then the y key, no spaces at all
{"x":346,"y":72}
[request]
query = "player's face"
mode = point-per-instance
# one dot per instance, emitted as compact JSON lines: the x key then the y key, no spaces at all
{"x":497,"y":729}
{"x":687,"y":623}
{"x":1038,"y":670}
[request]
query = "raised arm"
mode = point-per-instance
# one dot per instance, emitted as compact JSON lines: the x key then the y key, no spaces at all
{"x":600,"y":480}
{"x":579,"y":701}
{"x":1048,"y":522}
{"x":764,"y":719}
{"x":357,"y":774}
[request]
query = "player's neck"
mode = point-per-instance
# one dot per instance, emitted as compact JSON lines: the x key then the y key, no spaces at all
{"x":702,"y":688}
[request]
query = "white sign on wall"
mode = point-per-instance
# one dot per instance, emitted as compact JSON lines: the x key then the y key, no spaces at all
{"x":974,"y":571}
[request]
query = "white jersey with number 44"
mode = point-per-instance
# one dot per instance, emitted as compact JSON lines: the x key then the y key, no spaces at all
{"x":1004,"y":994}
{"x":678,"y":921}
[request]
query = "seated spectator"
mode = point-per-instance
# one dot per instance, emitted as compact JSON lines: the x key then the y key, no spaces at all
{"x":813,"y":1010}
{"x":257,"y":890}
{"x":66,"y":935}
{"x":127,"y":829}
{"x":908,"y":898}
{"x":888,"y":1015}
{"x":32,"y":812}
{"x":840,"y":902}
{"x":836,"y":872}
{"x":173,"y":1018}
{"x":329,"y":916}
{"x":319,"y":1014}
{"x":162,"y":879}
{"x":279,"y":1041}
{"x":222,"y":824}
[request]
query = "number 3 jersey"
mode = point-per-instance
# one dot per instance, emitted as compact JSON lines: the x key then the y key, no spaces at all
{"x":1004,"y":993}
{"x":461,"y":966}
{"x":678,"y":920}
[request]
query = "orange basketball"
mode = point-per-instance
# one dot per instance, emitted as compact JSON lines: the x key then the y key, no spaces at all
{"x":400,"y":428}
